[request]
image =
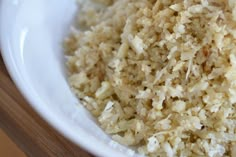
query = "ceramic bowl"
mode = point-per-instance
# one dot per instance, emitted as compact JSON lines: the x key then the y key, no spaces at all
{"x":31,"y":36}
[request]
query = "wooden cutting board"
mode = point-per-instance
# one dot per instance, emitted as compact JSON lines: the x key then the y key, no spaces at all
{"x":9,"y":148}
{"x":25,"y":127}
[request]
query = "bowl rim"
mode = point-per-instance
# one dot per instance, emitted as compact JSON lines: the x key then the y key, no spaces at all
{"x":84,"y":139}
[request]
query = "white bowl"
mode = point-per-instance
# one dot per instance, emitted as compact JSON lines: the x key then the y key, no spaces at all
{"x":31,"y":35}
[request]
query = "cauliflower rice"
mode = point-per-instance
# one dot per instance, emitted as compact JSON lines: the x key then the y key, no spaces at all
{"x":159,"y":75}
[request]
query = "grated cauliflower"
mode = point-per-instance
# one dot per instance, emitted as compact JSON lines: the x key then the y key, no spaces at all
{"x":159,"y":75}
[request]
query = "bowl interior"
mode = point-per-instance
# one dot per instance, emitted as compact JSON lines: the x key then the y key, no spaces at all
{"x":32,"y":33}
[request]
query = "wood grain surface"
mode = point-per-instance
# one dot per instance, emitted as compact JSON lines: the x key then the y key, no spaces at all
{"x":8,"y":148}
{"x":32,"y":134}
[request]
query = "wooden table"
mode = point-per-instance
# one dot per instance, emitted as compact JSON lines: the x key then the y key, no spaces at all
{"x":32,"y":134}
